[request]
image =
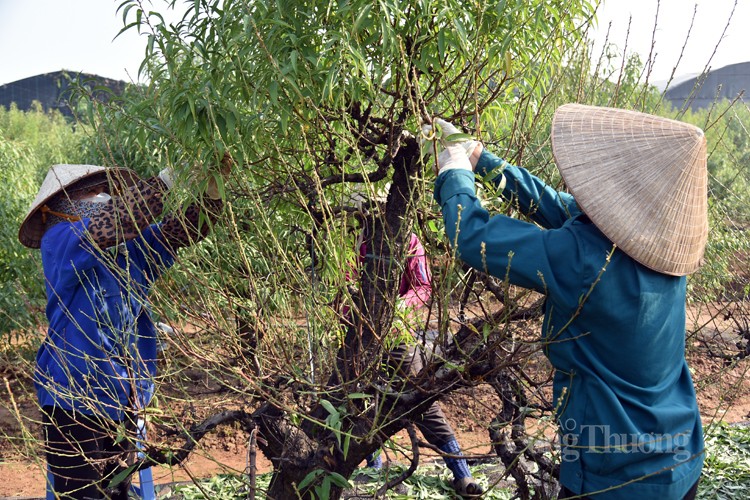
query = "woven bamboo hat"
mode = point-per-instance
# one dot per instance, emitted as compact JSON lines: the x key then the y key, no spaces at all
{"x":640,"y":178}
{"x":61,"y":177}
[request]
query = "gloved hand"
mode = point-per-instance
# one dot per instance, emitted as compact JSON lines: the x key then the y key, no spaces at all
{"x":453,"y":157}
{"x":441,"y":131}
{"x":212,"y":189}
{"x":167,"y":176}
{"x":447,"y":130}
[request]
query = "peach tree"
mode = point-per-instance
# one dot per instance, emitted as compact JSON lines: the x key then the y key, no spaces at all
{"x":320,"y":104}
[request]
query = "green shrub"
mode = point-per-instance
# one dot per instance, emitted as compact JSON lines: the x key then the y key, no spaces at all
{"x":30,"y":142}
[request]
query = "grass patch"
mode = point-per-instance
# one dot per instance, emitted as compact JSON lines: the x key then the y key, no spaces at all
{"x":726,"y":476}
{"x":429,"y":482}
{"x":726,"y":471}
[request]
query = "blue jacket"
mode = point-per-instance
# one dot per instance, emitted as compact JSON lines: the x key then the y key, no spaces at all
{"x":613,"y":329}
{"x":99,"y":355}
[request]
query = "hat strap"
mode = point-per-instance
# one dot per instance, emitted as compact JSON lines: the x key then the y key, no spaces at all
{"x":46,"y":210}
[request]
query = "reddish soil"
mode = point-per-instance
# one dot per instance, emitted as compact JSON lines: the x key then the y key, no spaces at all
{"x":722,"y":392}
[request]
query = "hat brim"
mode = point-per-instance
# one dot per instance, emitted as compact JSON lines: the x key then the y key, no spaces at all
{"x":640,"y":178}
{"x":32,"y":228}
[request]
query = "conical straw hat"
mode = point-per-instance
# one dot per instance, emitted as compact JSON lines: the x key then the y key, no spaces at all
{"x":58,"y":178}
{"x":640,"y":178}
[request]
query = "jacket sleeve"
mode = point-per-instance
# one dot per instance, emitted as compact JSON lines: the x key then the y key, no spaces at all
{"x":125,"y":217}
{"x":535,"y":199}
{"x":189,"y":228}
{"x":502,"y":246}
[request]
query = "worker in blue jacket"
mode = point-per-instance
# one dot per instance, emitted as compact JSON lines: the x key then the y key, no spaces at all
{"x":104,"y":241}
{"x":611,"y":259}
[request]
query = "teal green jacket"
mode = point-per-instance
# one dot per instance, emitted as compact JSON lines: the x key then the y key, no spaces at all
{"x":613,"y":329}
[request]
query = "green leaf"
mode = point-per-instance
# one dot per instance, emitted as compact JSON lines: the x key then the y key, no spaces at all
{"x":345,"y":447}
{"x":127,"y":6}
{"x":329,"y":407}
{"x":358,"y":395}
{"x":293,"y":60}
{"x":122,"y":476}
{"x":221,"y":124}
{"x":459,"y":137}
{"x":334,"y":422}
{"x":309,"y":478}
{"x":340,"y":480}
{"x":461,"y":30}
{"x":324,"y":490}
{"x":361,"y":18}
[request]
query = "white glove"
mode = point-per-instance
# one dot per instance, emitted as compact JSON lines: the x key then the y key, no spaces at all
{"x":448,"y":129}
{"x":444,"y":130}
{"x":212,"y":189}
{"x":225,"y":169}
{"x":427,"y":140}
{"x":167,"y":176}
{"x":453,"y":157}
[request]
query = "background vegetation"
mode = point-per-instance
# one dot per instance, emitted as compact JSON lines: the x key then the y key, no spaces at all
{"x":29,"y":143}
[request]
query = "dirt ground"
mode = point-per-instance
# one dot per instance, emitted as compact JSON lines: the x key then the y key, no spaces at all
{"x":722,"y":389}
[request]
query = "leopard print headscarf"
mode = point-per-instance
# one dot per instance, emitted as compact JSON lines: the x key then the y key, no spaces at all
{"x":62,"y":204}
{"x":76,"y":208}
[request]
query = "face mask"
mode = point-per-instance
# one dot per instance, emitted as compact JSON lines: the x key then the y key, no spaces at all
{"x":82,"y":208}
{"x":99,"y":198}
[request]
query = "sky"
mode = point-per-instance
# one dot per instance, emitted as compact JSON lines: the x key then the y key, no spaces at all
{"x":42,"y":36}
{"x":717,"y":38}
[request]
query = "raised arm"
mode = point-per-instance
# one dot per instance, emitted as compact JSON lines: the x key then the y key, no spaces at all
{"x":538,"y":201}
{"x":124,"y":217}
{"x":188,"y":228}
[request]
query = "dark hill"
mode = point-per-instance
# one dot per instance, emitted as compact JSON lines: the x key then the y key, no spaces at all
{"x":53,"y":90}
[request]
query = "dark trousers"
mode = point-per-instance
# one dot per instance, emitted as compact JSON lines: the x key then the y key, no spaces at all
{"x":84,"y":454}
{"x":406,"y":361}
{"x":566,"y":493}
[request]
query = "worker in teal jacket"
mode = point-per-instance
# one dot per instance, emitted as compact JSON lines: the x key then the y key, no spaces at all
{"x":611,"y":259}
